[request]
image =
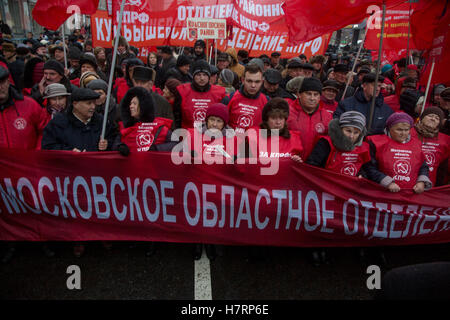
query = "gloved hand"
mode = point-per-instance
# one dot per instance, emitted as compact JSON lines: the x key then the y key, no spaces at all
{"x":123,"y":149}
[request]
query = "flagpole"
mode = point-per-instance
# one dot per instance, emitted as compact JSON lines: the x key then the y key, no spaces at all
{"x":409,"y":32}
{"x":377,"y":72}
{"x":354,"y":63}
{"x":64,"y":46}
{"x":113,"y":64}
{"x":428,"y":87}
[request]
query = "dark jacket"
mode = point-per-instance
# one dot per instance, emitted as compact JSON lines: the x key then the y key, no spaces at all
{"x":177,"y":74}
{"x":279,"y":93}
{"x":66,"y":132}
{"x":350,"y":91}
{"x":359,"y":103}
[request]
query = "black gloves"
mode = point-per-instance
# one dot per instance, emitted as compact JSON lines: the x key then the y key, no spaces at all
{"x":123,"y":149}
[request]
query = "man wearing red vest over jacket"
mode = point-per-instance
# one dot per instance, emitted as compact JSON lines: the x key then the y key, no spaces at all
{"x":190,"y":106}
{"x":22,"y":120}
{"x":306,"y":115}
{"x":245,"y":105}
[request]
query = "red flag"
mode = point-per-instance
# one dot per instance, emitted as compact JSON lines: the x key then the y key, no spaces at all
{"x":308,"y":19}
{"x":424,"y":21}
{"x":52,"y":13}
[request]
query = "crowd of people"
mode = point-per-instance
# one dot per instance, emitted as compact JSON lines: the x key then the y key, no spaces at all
{"x":54,"y":97}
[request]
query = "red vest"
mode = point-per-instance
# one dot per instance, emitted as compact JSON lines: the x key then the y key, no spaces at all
{"x":122,"y":88}
{"x":347,"y":162}
{"x":310,"y":126}
{"x":245,"y":112}
{"x":330,"y":107}
{"x":260,"y":146}
{"x":194,"y":104}
{"x":210,"y":149}
{"x":393,"y":102}
{"x":400,"y":161}
{"x":435,"y":150}
{"x":22,"y":125}
{"x":141,"y":136}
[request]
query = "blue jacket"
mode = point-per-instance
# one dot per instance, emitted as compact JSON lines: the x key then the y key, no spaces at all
{"x":359,"y":103}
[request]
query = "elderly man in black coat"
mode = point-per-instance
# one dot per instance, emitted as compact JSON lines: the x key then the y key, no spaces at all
{"x":79,"y":128}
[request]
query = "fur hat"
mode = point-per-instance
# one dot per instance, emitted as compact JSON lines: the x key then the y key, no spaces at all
{"x":87,"y":77}
{"x":273,"y":104}
{"x":146,"y":106}
{"x":294,"y":84}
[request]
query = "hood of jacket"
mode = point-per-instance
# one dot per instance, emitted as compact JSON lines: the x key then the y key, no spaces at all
{"x":146,"y":106}
{"x":232,"y":52}
{"x":341,"y":141}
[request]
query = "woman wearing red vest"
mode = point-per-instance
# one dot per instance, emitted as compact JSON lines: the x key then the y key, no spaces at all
{"x":215,"y":140}
{"x":342,"y":151}
{"x":435,"y":145}
{"x":139,"y":129}
{"x":397,"y":158}
{"x":288,"y":143}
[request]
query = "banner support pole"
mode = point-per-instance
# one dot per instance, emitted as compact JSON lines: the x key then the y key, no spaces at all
{"x":354,"y":63}
{"x":113,"y":67}
{"x":64,"y":46}
{"x":428,"y":87}
{"x":377,"y":72}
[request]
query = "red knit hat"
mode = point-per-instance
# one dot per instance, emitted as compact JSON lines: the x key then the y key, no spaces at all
{"x":218,"y":110}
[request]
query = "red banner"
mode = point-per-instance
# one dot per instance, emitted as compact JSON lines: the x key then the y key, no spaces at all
{"x":144,"y":29}
{"x":308,"y":19}
{"x":395,"y":28}
{"x":58,"y":195}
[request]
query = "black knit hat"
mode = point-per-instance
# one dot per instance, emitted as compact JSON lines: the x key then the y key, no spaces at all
{"x":201,"y":66}
{"x":83,"y":94}
{"x":311,"y":84}
{"x":183,"y":60}
{"x":52,"y":64}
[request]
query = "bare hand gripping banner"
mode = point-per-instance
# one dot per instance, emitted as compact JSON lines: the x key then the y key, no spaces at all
{"x":66,"y":196}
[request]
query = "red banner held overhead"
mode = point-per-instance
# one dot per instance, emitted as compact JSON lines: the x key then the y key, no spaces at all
{"x":164,"y":32}
{"x":308,"y":19}
{"x":51,"y":14}
{"x":59,"y":195}
{"x":395,"y":28}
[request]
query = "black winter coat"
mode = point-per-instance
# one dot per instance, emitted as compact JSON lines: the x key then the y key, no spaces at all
{"x":359,"y":103}
{"x":66,"y":132}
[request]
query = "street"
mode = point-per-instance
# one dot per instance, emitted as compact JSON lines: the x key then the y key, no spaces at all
{"x":125,"y":272}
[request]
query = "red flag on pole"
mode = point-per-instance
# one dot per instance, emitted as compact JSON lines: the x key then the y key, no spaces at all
{"x":308,"y":19}
{"x":52,"y":13}
{"x":424,"y":22}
